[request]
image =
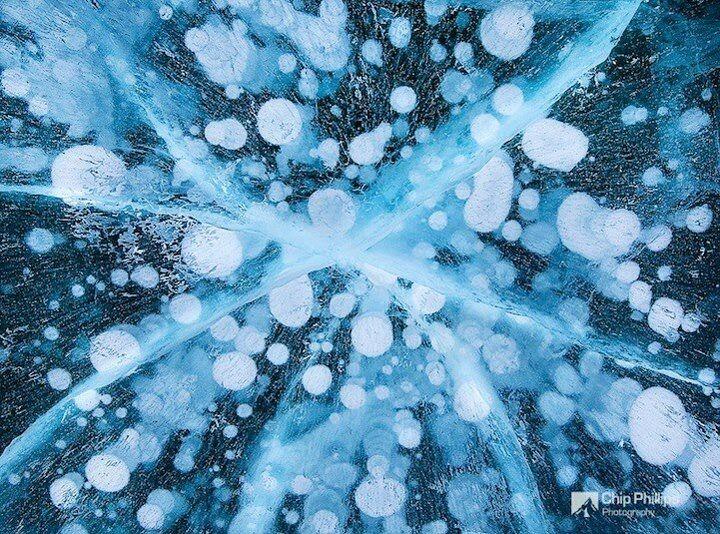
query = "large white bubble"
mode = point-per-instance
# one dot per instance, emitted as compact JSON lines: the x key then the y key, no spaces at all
{"x":372,"y":334}
{"x":380,"y":496}
{"x":107,"y":472}
{"x":85,"y":171}
{"x":292,"y":303}
{"x":113,"y":349}
{"x":658,"y":426}
{"x":234,"y":370}
{"x":279,"y":121}
{"x":212,"y":252}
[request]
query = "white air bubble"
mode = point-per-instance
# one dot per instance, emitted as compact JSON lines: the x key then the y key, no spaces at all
{"x":658,"y":238}
{"x":317,"y":379}
{"x":529,"y":199}
{"x":491,"y":199}
{"x":107,"y":472}
{"x":279,"y":121}
{"x":225,"y":329}
{"x":658,"y":426}
{"x":554,"y":144}
{"x":64,"y":493}
{"x":693,"y":120}
{"x":372,"y":334}
{"x":427,"y":300}
{"x":291,"y":304}
{"x":87,"y":400}
{"x":484,"y":129}
{"x":665,"y":316}
{"x":400,"y":32}
{"x":506,"y":32}
{"x":227,"y":133}
{"x":234,"y":370}
{"x":677,"y":494}
{"x":59,"y":379}
{"x":185,"y":308}
{"x":507,"y":99}
{"x":380,"y":496}
{"x":39,"y":240}
{"x":212,"y":252}
{"x":403,"y":99}
{"x":113,"y":349}
{"x":87,"y":170}
{"x":622,"y":228}
{"x":150,"y":517}
{"x":277,"y":354}
{"x":703,"y":472}
{"x":698,"y":219}
{"x":369,"y":148}
{"x":352,"y":396}
{"x":332,"y":211}
{"x":145,"y":276}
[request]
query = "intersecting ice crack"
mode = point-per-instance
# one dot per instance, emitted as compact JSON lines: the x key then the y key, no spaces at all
{"x":324,"y":251}
{"x":401,"y":190}
{"x":587,"y":52}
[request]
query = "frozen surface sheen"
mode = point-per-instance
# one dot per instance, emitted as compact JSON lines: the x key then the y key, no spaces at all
{"x":415,"y":266}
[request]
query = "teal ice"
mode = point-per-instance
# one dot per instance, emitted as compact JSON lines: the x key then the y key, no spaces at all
{"x":347,"y":266}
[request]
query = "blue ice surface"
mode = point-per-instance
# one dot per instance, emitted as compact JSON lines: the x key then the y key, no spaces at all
{"x":359,"y":267}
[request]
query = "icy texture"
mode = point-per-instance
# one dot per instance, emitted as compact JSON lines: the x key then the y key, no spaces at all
{"x":371,"y":266}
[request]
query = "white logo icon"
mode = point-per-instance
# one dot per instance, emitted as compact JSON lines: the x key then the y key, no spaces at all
{"x":584,"y":503}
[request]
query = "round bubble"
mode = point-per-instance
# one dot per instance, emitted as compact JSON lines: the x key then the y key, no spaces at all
{"x":107,"y":472}
{"x":317,"y":379}
{"x":372,"y":334}
{"x":279,"y":121}
{"x":380,"y":496}
{"x":113,"y":349}
{"x":212,"y":252}
{"x":658,"y":426}
{"x":234,"y":370}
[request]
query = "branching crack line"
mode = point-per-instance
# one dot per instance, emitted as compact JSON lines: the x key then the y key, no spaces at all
{"x":402,"y":191}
